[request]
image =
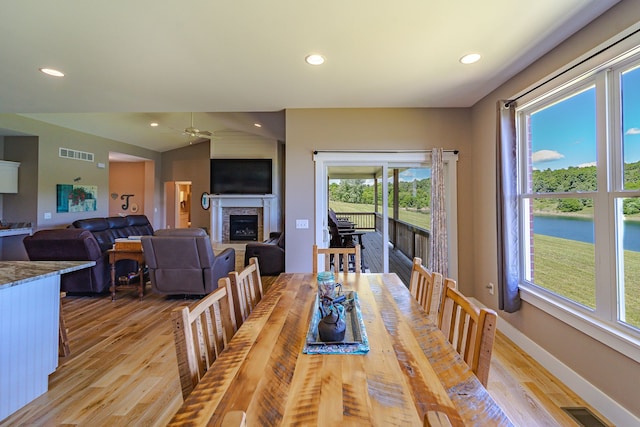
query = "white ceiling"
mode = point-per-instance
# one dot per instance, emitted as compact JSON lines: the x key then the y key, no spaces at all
{"x":238,"y":62}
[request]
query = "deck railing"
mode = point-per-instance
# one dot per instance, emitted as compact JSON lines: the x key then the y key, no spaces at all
{"x":411,"y":240}
{"x":362,"y":220}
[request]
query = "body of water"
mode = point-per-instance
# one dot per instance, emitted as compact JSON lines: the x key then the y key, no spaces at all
{"x":581,"y":229}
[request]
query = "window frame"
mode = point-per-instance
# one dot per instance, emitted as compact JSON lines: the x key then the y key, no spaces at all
{"x":602,"y":322}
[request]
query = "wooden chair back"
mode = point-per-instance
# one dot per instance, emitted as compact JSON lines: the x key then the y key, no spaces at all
{"x":201,"y":333}
{"x":234,"y":419}
{"x":436,"y":419}
{"x":470,"y":329}
{"x":338,"y":259}
{"x":63,"y":337}
{"x":426,"y":287}
{"x":246,"y":289}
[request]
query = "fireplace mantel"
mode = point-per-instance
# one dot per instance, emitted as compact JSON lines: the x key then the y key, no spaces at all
{"x":268,"y":203}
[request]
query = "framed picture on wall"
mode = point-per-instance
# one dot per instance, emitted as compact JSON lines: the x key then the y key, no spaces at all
{"x":76,"y":198}
{"x":205,"y":201}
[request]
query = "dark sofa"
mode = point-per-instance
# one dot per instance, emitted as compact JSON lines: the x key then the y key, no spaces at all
{"x":71,"y":244}
{"x":88,"y":239}
{"x":270,"y":254}
{"x":107,"y":230}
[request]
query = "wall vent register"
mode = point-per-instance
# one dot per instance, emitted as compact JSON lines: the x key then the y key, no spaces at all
{"x":68,"y":153}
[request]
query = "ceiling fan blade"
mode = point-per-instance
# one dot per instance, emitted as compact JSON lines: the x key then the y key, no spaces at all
{"x":194,"y":132}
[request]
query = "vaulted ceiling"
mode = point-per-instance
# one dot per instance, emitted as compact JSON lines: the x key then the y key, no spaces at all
{"x":237,"y":63}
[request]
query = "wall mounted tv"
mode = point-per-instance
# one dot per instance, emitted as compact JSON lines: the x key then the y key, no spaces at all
{"x":241,"y":176}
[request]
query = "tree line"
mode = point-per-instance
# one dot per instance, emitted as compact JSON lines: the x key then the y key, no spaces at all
{"x":414,"y":194}
{"x":574,"y":179}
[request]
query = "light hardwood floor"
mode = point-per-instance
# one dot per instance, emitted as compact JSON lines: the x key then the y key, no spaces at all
{"x":122,"y":371}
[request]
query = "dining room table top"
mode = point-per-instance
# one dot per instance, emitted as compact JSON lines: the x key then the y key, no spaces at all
{"x":408,"y":370}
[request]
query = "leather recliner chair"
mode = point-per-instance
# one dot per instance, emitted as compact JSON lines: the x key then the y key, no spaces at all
{"x":270,"y":254}
{"x":182,"y":261}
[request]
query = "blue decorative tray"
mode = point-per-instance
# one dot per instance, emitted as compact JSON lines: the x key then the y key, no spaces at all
{"x":355,"y":340}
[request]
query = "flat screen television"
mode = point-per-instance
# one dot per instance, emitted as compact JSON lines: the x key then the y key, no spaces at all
{"x":241,"y":176}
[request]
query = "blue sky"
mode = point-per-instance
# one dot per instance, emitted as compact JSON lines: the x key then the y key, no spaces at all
{"x":416,"y":173}
{"x":564,"y":134}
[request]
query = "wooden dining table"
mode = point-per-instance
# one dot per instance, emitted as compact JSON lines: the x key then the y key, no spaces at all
{"x":409,"y":370}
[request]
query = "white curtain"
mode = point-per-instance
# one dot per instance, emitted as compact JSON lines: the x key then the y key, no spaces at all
{"x":439,"y":253}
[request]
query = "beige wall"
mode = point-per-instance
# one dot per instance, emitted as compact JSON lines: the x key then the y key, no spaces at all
{"x":615,"y":374}
{"x":368,"y":129}
{"x":126,"y":178}
{"x":22,"y":206}
{"x":190,"y":163}
{"x":52,"y":169}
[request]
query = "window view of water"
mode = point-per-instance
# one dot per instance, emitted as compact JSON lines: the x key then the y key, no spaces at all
{"x":581,"y":229}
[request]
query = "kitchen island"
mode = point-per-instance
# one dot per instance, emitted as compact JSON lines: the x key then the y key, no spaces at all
{"x":29,"y":321}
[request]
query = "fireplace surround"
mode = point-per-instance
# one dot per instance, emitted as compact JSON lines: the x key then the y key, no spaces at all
{"x":265,"y":204}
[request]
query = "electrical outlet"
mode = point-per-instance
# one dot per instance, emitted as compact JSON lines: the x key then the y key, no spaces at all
{"x":490,"y":286}
{"x":302,"y":223}
{"x":47,"y":215}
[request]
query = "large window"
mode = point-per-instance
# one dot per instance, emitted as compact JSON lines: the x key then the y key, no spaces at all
{"x":579,"y":197}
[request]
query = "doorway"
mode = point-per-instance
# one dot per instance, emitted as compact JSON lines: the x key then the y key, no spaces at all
{"x":177,"y":195}
{"x":398,"y":181}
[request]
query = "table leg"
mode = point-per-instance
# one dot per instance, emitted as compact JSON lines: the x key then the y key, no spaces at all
{"x":141,"y":280}
{"x":113,"y":281}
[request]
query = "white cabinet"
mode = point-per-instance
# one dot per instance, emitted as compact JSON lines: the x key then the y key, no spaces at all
{"x":9,"y":176}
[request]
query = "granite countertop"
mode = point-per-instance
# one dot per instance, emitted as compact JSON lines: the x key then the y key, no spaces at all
{"x":14,"y":273}
{"x":15,"y":228}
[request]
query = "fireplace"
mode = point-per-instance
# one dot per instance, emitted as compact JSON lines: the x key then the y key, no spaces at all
{"x":243,"y":227}
{"x":264,"y":205}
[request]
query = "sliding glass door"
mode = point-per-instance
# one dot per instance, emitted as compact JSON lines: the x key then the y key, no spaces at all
{"x":387,"y":197}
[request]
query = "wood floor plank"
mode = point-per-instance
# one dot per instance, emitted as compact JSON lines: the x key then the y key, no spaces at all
{"x":528,"y":393}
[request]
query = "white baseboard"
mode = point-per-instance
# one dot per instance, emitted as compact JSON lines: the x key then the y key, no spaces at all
{"x":604,"y":404}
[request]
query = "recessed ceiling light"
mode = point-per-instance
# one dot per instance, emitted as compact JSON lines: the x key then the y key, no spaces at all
{"x":470,"y":58}
{"x":258,"y":125}
{"x":153,"y":124}
{"x":314,"y":59}
{"x":52,"y":72}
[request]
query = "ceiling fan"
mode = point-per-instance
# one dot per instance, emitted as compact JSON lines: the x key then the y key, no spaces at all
{"x":194,"y":132}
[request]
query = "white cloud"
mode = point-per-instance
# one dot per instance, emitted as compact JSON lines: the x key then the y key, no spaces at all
{"x":633,"y":131}
{"x":586,"y":165}
{"x":546,"y":156}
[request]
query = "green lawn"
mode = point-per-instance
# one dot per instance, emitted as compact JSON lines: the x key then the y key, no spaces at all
{"x":566,"y":267}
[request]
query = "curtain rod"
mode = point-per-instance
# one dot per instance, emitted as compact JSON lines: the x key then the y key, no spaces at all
{"x":381,"y":151}
{"x":550,"y":79}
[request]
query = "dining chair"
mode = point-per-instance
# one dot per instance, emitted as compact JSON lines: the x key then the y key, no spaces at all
{"x":426,"y":287}
{"x":338,"y":259}
{"x":63,"y":332}
{"x":201,"y":333}
{"x":470,"y":329}
{"x":246,"y":289}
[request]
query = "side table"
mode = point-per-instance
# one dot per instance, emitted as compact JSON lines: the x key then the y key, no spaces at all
{"x":130,"y":249}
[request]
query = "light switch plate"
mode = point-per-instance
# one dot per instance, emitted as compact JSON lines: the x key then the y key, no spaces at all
{"x":302,"y":223}
{"x":47,"y":215}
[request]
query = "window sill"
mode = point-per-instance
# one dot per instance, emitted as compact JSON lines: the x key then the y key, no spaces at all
{"x":610,"y":335}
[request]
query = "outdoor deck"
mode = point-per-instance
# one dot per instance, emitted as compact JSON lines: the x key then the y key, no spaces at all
{"x":372,"y":257}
